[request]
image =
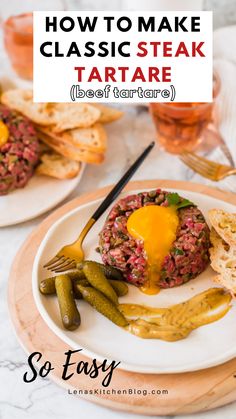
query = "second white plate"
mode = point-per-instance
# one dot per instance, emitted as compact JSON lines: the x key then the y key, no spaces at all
{"x":41,"y":194}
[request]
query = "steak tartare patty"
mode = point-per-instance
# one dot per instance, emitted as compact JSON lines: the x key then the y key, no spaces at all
{"x":20,"y":154}
{"x":187,"y":258}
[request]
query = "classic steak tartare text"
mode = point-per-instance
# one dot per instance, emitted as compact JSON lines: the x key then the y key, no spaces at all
{"x":189,"y":253}
{"x":19,"y":154}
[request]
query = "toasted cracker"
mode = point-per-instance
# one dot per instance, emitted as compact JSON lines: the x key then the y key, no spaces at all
{"x":228,"y":282}
{"x":62,"y":116}
{"x":223,"y":261}
{"x":93,"y":138}
{"x":225,"y":225}
{"x":57,"y":166}
{"x":72,"y":152}
{"x":108,"y":114}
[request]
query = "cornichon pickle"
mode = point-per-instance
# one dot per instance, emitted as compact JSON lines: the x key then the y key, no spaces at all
{"x":109,"y":271}
{"x":103,"y":305}
{"x":47,"y":286}
{"x":97,"y":279}
{"x":76,"y":274}
{"x":120,"y":288}
{"x":76,"y":292}
{"x":69,"y":312}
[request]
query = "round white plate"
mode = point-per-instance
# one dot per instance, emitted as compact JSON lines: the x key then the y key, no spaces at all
{"x":206,"y":346}
{"x":41,"y":194}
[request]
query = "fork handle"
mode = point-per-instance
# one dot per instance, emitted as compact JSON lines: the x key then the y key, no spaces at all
{"x":121,"y":184}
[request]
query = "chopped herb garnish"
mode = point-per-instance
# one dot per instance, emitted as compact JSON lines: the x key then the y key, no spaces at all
{"x":175,"y":200}
{"x":177,"y":251}
{"x":185,"y":203}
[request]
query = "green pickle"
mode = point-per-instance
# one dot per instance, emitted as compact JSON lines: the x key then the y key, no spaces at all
{"x":76,"y":274}
{"x":103,"y":305}
{"x":97,"y":279}
{"x":76,"y":292}
{"x":109,"y":271}
{"x":69,"y":312}
{"x":120,"y":288}
{"x":47,"y":286}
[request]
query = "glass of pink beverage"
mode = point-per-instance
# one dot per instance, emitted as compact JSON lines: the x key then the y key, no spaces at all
{"x":18,"y":41}
{"x":180,"y":126}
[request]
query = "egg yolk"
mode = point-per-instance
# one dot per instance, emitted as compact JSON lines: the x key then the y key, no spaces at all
{"x":4,"y":133}
{"x":156,"y":226}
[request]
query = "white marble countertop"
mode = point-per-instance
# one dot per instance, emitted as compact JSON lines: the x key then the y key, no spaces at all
{"x":43,"y":399}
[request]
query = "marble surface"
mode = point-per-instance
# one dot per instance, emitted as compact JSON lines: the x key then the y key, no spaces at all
{"x":43,"y":399}
{"x":224,"y":11}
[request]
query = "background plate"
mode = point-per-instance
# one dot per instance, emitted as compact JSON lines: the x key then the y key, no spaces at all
{"x":207,"y":346}
{"x":41,"y":194}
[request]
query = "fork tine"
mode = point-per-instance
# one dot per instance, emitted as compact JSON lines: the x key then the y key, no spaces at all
{"x":51,"y":261}
{"x":202,"y":160}
{"x":60,"y":262}
{"x":195,"y":167}
{"x":204,"y":163}
{"x":66,"y":262}
{"x":198,"y":168}
{"x":72,"y":265}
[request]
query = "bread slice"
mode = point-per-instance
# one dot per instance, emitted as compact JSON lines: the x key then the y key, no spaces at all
{"x":220,"y":252}
{"x":227,"y":281}
{"x":93,"y":138}
{"x":74,"y":115}
{"x":108,"y":114}
{"x":225,"y":225}
{"x":57,"y":166}
{"x":70,"y":151}
{"x":62,"y":115}
{"x":223,"y":261}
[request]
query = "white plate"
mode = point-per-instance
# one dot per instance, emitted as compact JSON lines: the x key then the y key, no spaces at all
{"x":41,"y":194}
{"x":206,"y":346}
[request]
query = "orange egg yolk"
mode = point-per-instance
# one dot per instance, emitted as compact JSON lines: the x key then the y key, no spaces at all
{"x":4,"y":133}
{"x":156,"y":226}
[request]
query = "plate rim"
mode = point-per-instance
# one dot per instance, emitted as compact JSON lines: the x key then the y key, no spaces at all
{"x":59,"y":332}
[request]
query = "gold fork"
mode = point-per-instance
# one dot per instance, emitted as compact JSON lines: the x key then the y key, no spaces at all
{"x":207,"y":168}
{"x":73,"y":253}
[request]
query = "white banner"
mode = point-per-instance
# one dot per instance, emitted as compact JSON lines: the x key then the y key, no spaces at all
{"x":123,"y":56}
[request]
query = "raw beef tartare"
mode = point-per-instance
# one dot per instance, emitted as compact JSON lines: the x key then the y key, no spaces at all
{"x":189,"y":252}
{"x":19,"y":154}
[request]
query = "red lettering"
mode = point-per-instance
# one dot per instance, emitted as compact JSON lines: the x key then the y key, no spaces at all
{"x":109,"y":74}
{"x":153,"y":73}
{"x":196,"y":49}
{"x":94,"y":75}
{"x":182,"y":49}
{"x":167,"y":49}
{"x":141,"y":46}
{"x":123,"y":72}
{"x":138,"y":75}
{"x":155,"y":45}
{"x":79,"y":72}
{"x":166,"y":74}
